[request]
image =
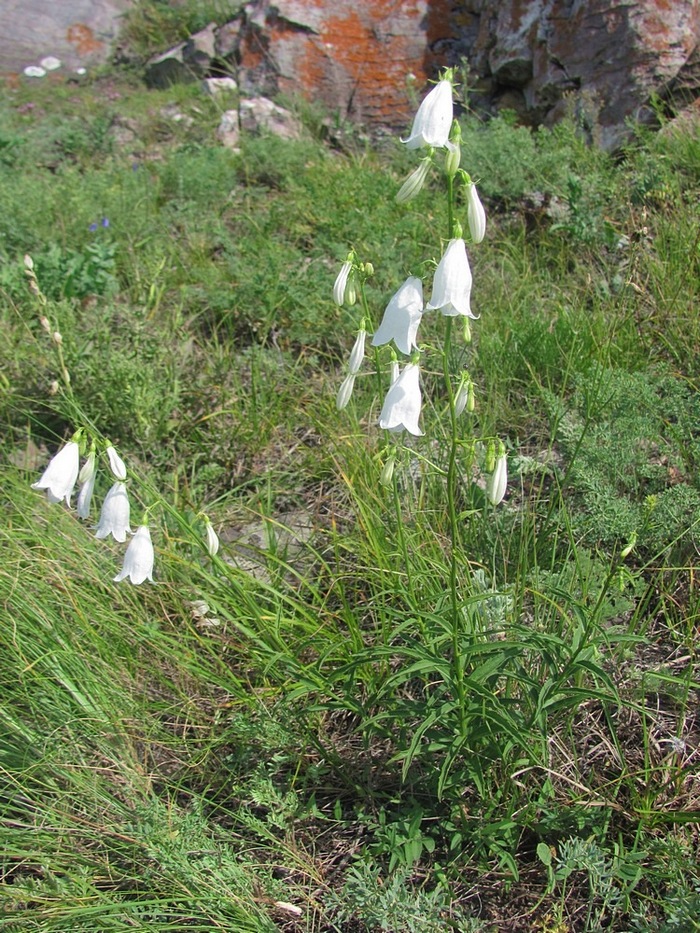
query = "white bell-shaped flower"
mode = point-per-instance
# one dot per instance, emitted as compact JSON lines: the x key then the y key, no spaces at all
{"x":138,"y":560}
{"x":476,"y":215}
{"x":452,"y":283}
{"x":433,"y":120}
{"x":402,"y":317}
{"x":401,"y":409}
{"x":61,"y":475}
{"x":114,"y":517}
{"x":497,"y":481}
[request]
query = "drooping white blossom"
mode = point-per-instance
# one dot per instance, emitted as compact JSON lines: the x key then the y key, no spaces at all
{"x":433,"y":120}
{"x":401,"y":409}
{"x":114,"y":516}
{"x":60,"y":476}
{"x":452,"y":283}
{"x":402,"y":317}
{"x":139,"y":557}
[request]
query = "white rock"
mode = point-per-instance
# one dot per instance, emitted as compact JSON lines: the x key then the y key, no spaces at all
{"x":215,"y":87}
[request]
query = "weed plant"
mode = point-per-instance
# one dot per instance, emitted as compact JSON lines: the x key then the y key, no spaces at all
{"x":411,"y":718}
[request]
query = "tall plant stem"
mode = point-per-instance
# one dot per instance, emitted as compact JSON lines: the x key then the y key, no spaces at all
{"x":458,"y":666}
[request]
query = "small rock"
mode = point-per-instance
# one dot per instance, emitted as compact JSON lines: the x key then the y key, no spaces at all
{"x":50,"y":63}
{"x":216,"y":87}
{"x":259,"y":114}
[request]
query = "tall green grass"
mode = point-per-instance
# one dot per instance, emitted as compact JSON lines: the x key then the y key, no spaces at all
{"x":166,"y":765}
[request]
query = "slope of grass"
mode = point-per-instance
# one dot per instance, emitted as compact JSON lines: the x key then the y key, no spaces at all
{"x":275,"y":737}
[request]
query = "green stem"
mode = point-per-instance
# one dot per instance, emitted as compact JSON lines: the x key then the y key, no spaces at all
{"x":452,"y":476}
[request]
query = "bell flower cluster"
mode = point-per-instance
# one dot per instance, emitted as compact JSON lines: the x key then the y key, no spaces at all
{"x":433,"y":128}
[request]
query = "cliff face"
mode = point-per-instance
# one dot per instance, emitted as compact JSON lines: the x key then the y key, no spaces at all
{"x":358,"y":56}
{"x":533,"y":53}
{"x":366,"y":60}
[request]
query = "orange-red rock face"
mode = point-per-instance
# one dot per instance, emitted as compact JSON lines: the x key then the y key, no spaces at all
{"x":357,"y":58}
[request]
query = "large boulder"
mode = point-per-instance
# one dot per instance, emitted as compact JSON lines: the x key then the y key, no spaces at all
{"x":78,"y":33}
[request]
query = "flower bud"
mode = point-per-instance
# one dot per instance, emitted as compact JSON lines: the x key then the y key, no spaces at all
{"x":629,"y":547}
{"x":57,"y":338}
{"x":476,"y":216}
{"x":490,"y":461}
{"x":497,"y":482}
{"x":387,"y":475}
{"x":454,"y":154}
{"x":358,"y":352}
{"x":212,"y":539}
{"x":28,"y":263}
{"x":462,"y":396}
{"x":345,"y":392}
{"x":45,"y":323}
{"x":341,"y":283}
{"x":415,"y":181}
{"x":350,"y":292}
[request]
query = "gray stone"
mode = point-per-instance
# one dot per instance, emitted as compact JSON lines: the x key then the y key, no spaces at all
{"x":186,"y":62}
{"x":260,"y":115}
{"x":218,"y":87}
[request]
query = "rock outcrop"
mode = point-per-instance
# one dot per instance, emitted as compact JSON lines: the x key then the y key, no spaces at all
{"x":612,"y":57}
{"x":368,"y":60}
